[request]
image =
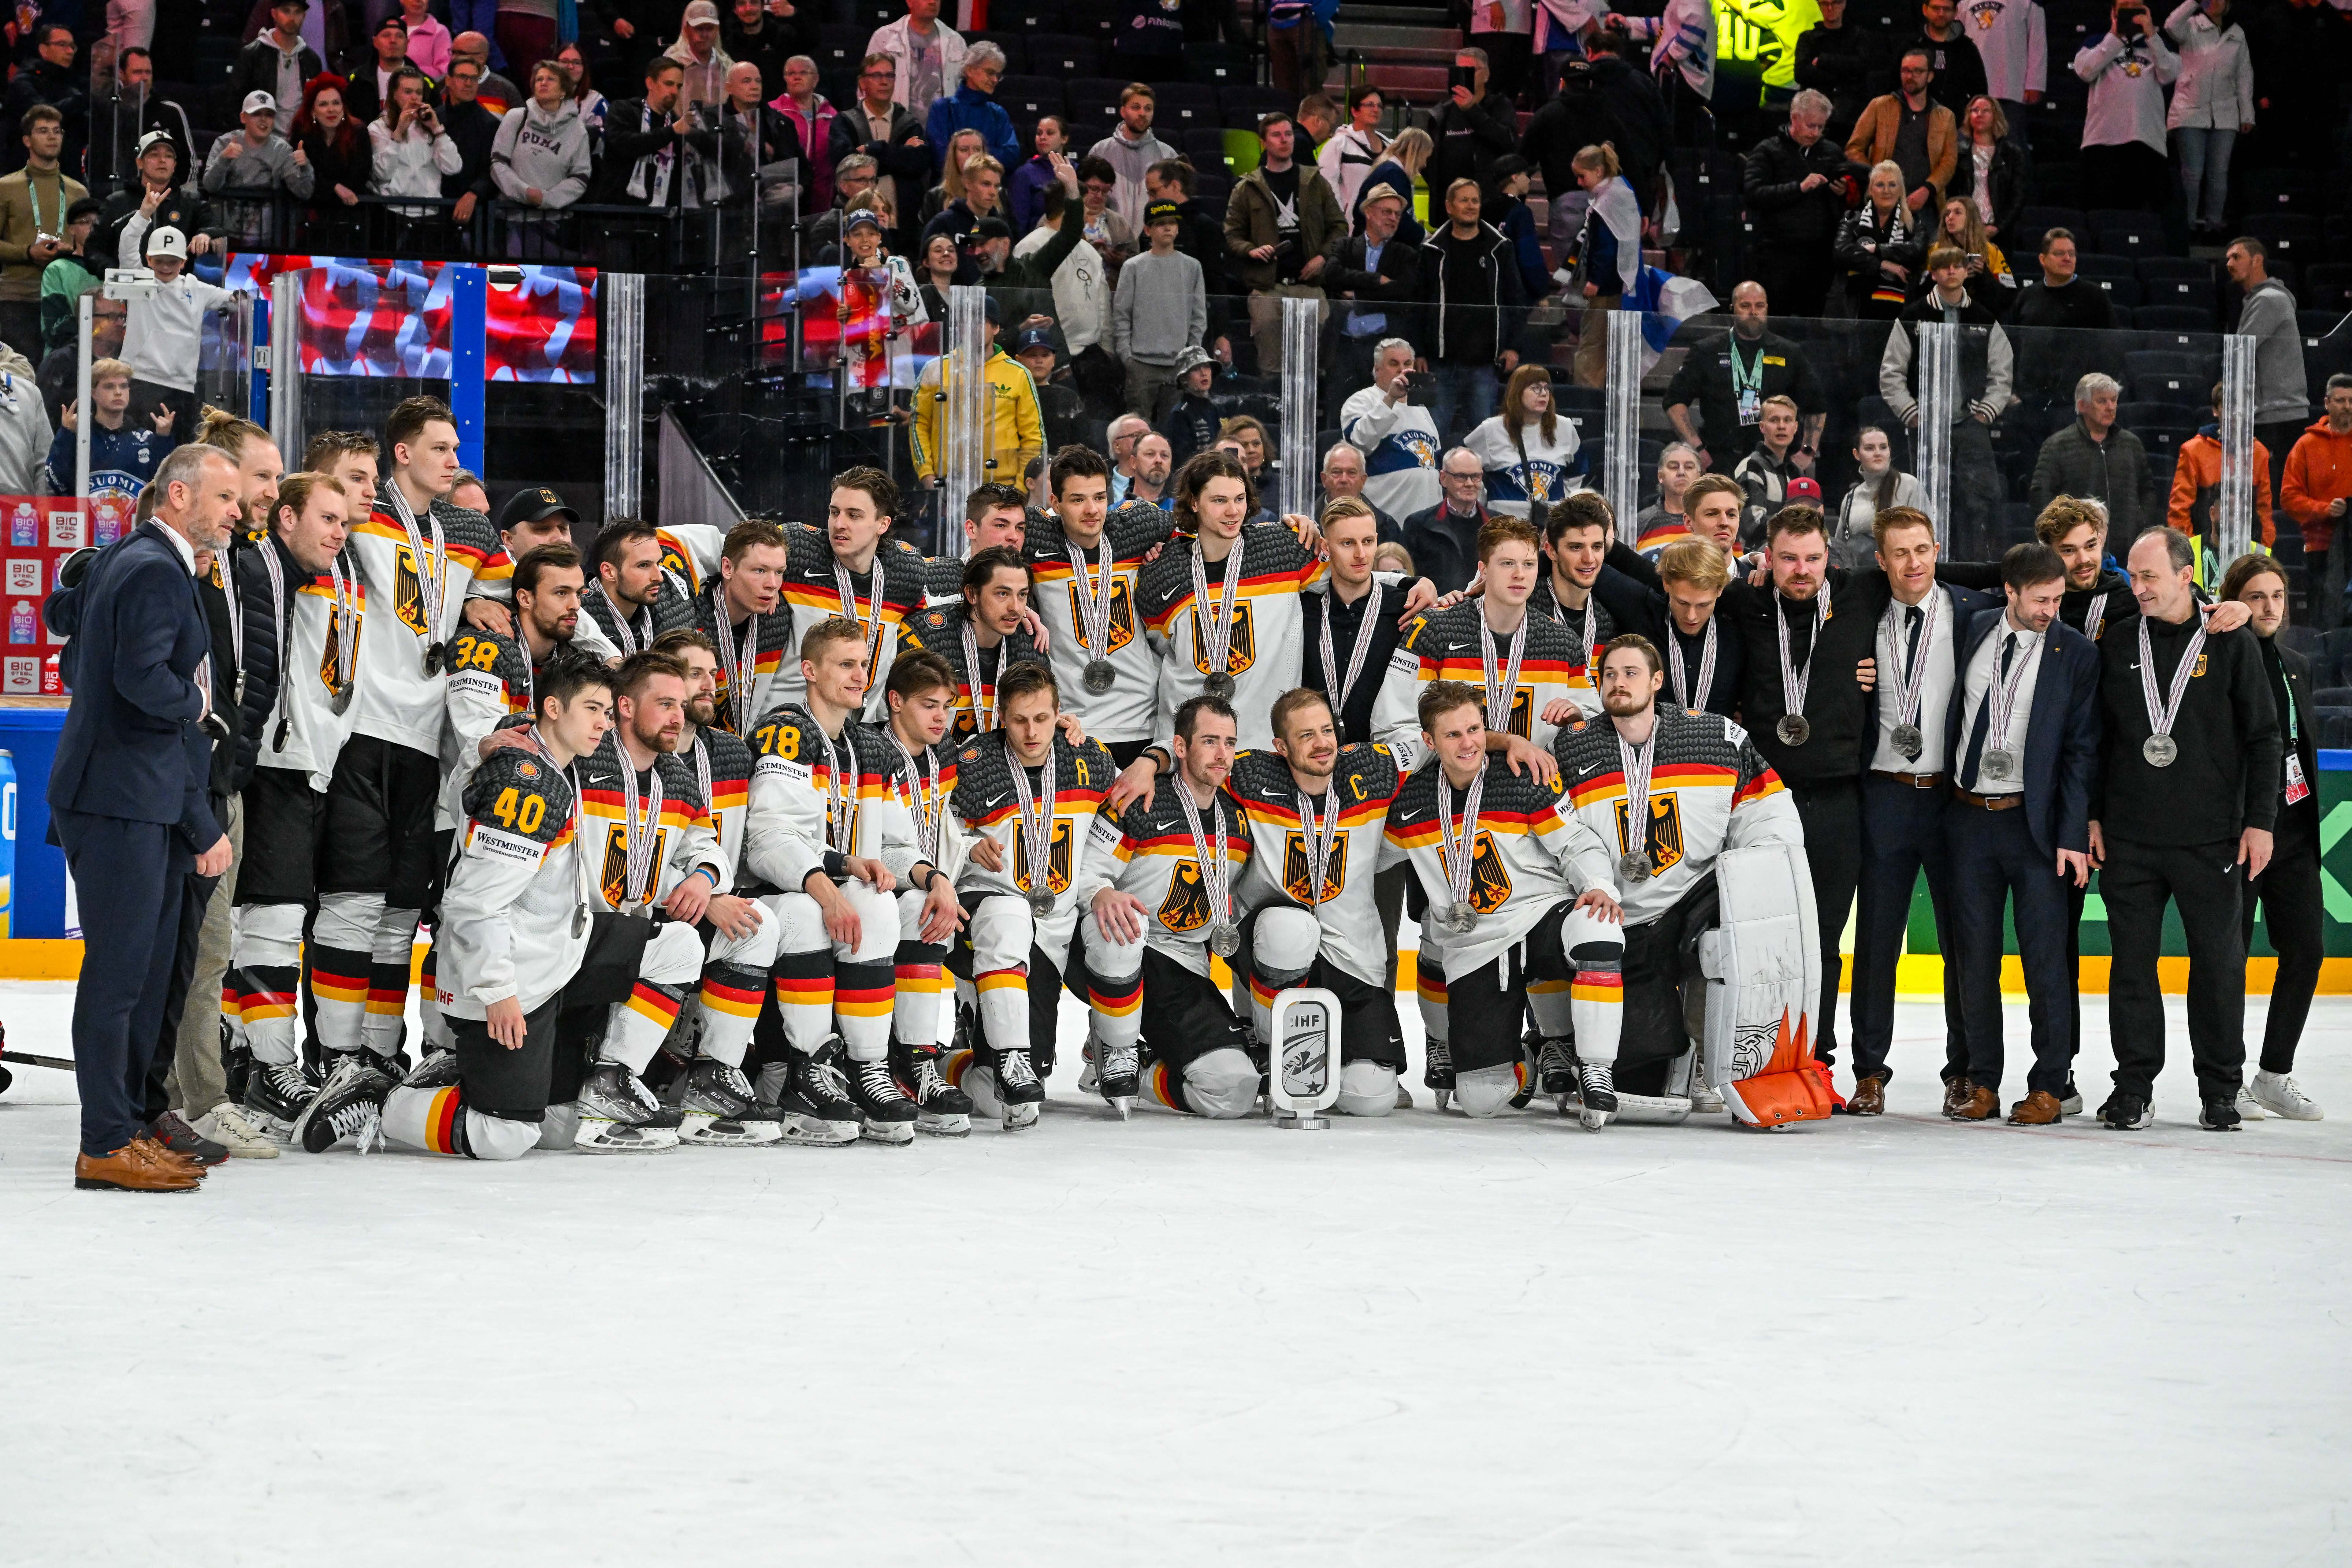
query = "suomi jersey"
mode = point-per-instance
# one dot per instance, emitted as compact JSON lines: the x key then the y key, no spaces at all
{"x":793,"y":828}
{"x":1124,"y":712}
{"x":1366,"y":780}
{"x":304,"y":732}
{"x":685,"y":843}
{"x":1269,"y":630}
{"x":1524,"y":858}
{"x":940,"y":630}
{"x":1446,"y":645}
{"x":813,"y":594}
{"x":721,"y":764}
{"x":396,"y":699}
{"x":1149,"y":853}
{"x":507,"y":925}
{"x":984,"y":807}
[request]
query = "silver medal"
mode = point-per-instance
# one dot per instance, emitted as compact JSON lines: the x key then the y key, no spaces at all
{"x":1099,"y":676}
{"x":1996,"y":765}
{"x":1633,"y":868}
{"x":1212,"y":624}
{"x":1219,"y":686}
{"x":1457,"y":919}
{"x":1909,"y":741}
{"x":1225,"y":939}
{"x":2159,"y":750}
{"x":1041,"y":901}
{"x":1793,"y":730}
{"x":1457,"y":852}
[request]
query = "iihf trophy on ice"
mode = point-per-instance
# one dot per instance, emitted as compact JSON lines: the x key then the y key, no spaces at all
{"x":1305,"y":1078}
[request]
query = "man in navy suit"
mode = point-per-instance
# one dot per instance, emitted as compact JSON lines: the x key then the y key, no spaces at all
{"x":2024,"y":730}
{"x":127,"y":796}
{"x":1906,"y":775}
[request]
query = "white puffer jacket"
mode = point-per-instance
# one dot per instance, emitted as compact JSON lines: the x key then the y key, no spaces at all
{"x":2215,"y":90}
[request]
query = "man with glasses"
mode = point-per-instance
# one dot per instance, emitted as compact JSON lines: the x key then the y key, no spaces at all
{"x":892,"y":135}
{"x":472,"y":126}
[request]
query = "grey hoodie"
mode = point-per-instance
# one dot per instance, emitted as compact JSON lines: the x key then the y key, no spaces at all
{"x":2280,"y":393}
{"x":533,"y":150}
{"x":258,"y":171}
{"x":23,"y":421}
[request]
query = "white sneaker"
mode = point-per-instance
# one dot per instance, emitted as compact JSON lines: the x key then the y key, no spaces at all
{"x":2279,"y":1094}
{"x":226,"y":1125}
{"x":2249,"y":1108}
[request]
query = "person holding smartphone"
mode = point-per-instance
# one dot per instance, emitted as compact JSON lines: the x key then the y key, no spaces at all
{"x":2129,"y":66}
{"x":412,"y":150}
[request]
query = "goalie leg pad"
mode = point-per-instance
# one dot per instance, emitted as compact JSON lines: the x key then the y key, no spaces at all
{"x":1763,"y":967}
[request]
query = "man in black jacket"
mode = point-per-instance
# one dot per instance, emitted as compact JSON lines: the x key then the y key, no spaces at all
{"x":1377,"y":282}
{"x":1471,"y":129}
{"x":1730,"y":376}
{"x":278,"y":62}
{"x":2188,"y":794}
{"x":1201,"y":234}
{"x":1632,"y":100}
{"x":1794,"y":182}
{"x":1987,"y":370}
{"x":1443,"y":540}
{"x":118,"y":119}
{"x":2053,"y":318}
{"x":473,"y":128}
{"x":892,"y":135}
{"x":156,"y":199}
{"x":1844,"y":62}
{"x":1951,"y":55}
{"x":1473,"y":301}
{"x":1576,"y":118}
{"x":51,"y":78}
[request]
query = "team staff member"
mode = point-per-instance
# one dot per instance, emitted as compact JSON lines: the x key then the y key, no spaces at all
{"x":127,"y":798}
{"x":2024,"y":733}
{"x":2189,"y":791}
{"x":2288,"y":888}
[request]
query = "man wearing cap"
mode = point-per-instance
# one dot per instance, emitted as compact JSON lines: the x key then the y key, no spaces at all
{"x":1381,"y":281}
{"x":164,"y":334}
{"x":162,"y":195}
{"x":1057,"y":399}
{"x":1160,"y":309}
{"x":249,"y":165}
{"x":1190,"y":424}
{"x":533,"y":516}
{"x":278,"y":62}
{"x":33,"y":203}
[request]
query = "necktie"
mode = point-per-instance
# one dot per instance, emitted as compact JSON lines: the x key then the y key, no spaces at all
{"x":1912,"y":620}
{"x":1977,"y":731}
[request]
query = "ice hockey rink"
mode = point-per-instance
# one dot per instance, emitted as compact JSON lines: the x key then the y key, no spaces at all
{"x":1422,"y":1340}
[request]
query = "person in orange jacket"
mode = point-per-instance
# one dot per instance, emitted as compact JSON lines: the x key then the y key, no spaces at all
{"x":2315,"y":492}
{"x":2196,"y":487}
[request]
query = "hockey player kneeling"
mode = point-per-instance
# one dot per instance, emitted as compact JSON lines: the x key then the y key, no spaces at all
{"x":1524,"y":902}
{"x":1163,"y":875}
{"x":1720,"y":967}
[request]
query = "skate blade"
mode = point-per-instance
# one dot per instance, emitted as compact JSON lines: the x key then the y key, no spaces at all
{"x":1442,"y":1096}
{"x":612,"y":1138}
{"x":1706,"y":1105}
{"x":898,"y":1133}
{"x":725,"y":1132}
{"x":808,"y":1131}
{"x":1403,"y":1097}
{"x":1017,"y":1117}
{"x":1121,"y":1106}
{"x":1594,"y":1120}
{"x":953,"y":1126}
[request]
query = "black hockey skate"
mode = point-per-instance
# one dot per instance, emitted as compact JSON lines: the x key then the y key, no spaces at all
{"x":816,"y":1109}
{"x":1600,"y":1095}
{"x":1018,"y":1088}
{"x":619,"y":1115}
{"x":1437,"y":1071}
{"x":884,"y":1114}
{"x":718,"y":1110}
{"x":350,"y":1106}
{"x":275,"y":1094}
{"x":1555,"y":1073}
{"x":941,"y":1110}
{"x":1118,"y":1077}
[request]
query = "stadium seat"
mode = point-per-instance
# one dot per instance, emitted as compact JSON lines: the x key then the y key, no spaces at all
{"x":1027,"y":17}
{"x":1067,"y":56}
{"x":1185,"y":106}
{"x":1206,"y":148}
{"x":1015,"y":45}
{"x":2155,"y":377}
{"x":1245,"y":105}
{"x":2327,"y":287}
{"x":2174,"y":318}
{"x":1028,"y":97}
{"x":2129,"y":234}
{"x":2289,"y":191}
{"x":2287,"y":238}
{"x":1218,"y":65}
{"x":2317,"y":323}
{"x":2177,"y":280}
{"x":2119,"y":283}
{"x":839,"y":48}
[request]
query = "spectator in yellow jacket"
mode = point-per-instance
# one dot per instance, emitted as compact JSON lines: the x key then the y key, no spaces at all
{"x":1013,"y":430}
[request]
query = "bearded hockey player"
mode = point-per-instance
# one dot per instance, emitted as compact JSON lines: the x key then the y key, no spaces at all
{"x":981,"y":635}
{"x":1162,"y":900}
{"x":1522,"y":900}
{"x":632,"y":599}
{"x":1710,"y":859}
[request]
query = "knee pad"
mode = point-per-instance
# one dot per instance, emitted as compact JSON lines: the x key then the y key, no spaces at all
{"x":1366,"y":1088}
{"x":1222,"y":1083}
{"x":1592,"y":942}
{"x":1484,"y":1091}
{"x":395,"y":935}
{"x":674,"y":957}
{"x":1002,"y":931}
{"x":800,"y":924}
{"x":878,"y":924}
{"x":559,"y":1130}
{"x":1284,"y":941}
{"x":755,"y":949}
{"x":347,"y":921}
{"x":1107,"y":958}
{"x":264,"y":936}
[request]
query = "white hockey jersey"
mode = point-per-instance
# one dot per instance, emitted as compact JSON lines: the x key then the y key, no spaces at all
{"x":985,"y":807}
{"x":1268,"y":638}
{"x":887,"y":591}
{"x":316,"y":617}
{"x":722,"y":774}
{"x":1366,"y":779}
{"x":683,"y":845}
{"x":513,"y":919}
{"x":1149,"y":853}
{"x":795,"y":826}
{"x":397,"y":699}
{"x":1126,"y":711}
{"x":1446,"y":645}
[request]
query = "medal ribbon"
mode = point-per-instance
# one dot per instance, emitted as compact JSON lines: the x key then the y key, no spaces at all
{"x":642,"y":837}
{"x":927,"y":805}
{"x":1212,"y":869}
{"x":432,"y":568}
{"x":1036,"y":817}
{"x":1905,"y":676}
{"x":738,"y":670}
{"x":981,"y":714}
{"x":2160,"y":721}
{"x":1458,"y":848}
{"x":1321,"y":836}
{"x":2003,"y":693}
{"x":1213,"y":625}
{"x":1694,"y":700}
{"x":1793,"y":681}
{"x":849,"y":607}
{"x":1498,"y":696}
{"x":1094,"y":608}
{"x":1636,"y":760}
{"x":1346,"y":683}
{"x":841,"y":794}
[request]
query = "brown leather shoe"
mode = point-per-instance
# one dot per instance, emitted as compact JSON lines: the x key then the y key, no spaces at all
{"x":128,"y":1170}
{"x":1957,"y":1091}
{"x":1869,"y":1096}
{"x":2040,"y":1109}
{"x":166,"y":1159}
{"x":1980,"y":1104}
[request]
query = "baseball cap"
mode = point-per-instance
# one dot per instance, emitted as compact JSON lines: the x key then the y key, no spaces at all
{"x":1162,"y":212}
{"x":1035,"y":337}
{"x":258,"y":101}
{"x":167,"y":241}
{"x":1192,"y":357}
{"x":701,"y":14}
{"x":151,"y":138}
{"x":867,"y":216}
{"x":991,"y":227}
{"x":533,"y":504}
{"x":1806,"y":490}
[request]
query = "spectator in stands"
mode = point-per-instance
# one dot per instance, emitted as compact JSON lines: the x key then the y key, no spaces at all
{"x":371,"y":82}
{"x":1730,"y":378}
{"x":1399,"y":171}
{"x":1503,"y":29}
{"x":1959,"y":71}
{"x":1608,"y":255}
{"x":1391,"y":426}
{"x":2197,"y":485}
{"x":2129,"y":66}
{"x":2011,"y":40}
{"x":73,"y":272}
{"x":1992,"y":174}
{"x":1878,"y":485}
{"x":278,"y":62}
{"x":1297,"y":40}
{"x":341,"y":163}
{"x":853,"y":190}
{"x":428,"y":42}
{"x":1132,"y":148}
{"x":584,"y":87}
{"x":2282,"y":400}
{"x":2315,"y":492}
{"x":1682,"y":40}
{"x":962,"y":148}
{"x":1248,"y":438}
{"x":1026,"y":189}
{"x":497,"y":94}
{"x":2096,"y":458}
{"x":650,"y":143}
{"x":1987,"y":370}
{"x":49,"y":79}
{"x":1352,"y":152}
{"x":1443,"y":539}
{"x":159,"y":200}
{"x":1662,"y":521}
{"x":414,"y":153}
{"x":1154,"y":461}
{"x":1013,"y":432}
{"x":1515,"y":221}
{"x":1573,"y":120}
{"x":1776,"y":458}
{"x":24,"y":427}
{"x":60,"y":373}
{"x":1528,"y":450}
{"x":888,"y":133}
{"x":696,"y":49}
{"x":116,"y":444}
{"x":983,"y":181}
{"x":754,"y":35}
{"x":33,"y":203}
{"x":1318,"y":120}
{"x":800,"y":109}
{"x":939,"y":260}
{"x":1471,"y":129}
{"x":973,"y":106}
{"x":1632,"y":100}
{"x":1162,"y":309}
{"x":1343,"y":478}
{"x":1105,"y":227}
{"x":1473,"y":305}
{"x":1379,"y":276}
{"x":2060,"y":298}
{"x":1081,"y":299}
{"x":1908,"y":129}
{"x":927,"y":55}
{"x":119,"y":117}
{"x":1879,"y":245}
{"x":247,"y":170}
{"x":1989,"y":272}
{"x":2212,"y":105}
{"x":1203,"y":235}
{"x":163,"y":337}
{"x":1190,"y":421}
{"x":541,"y":159}
{"x":1058,"y":404}
{"x":473,"y":127}
{"x":1843,"y":62}
{"x":1281,"y":221}
{"x":1119,"y":442}
{"x":1794,"y":182}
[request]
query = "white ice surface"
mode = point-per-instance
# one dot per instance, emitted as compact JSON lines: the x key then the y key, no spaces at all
{"x":1419,"y":1341}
